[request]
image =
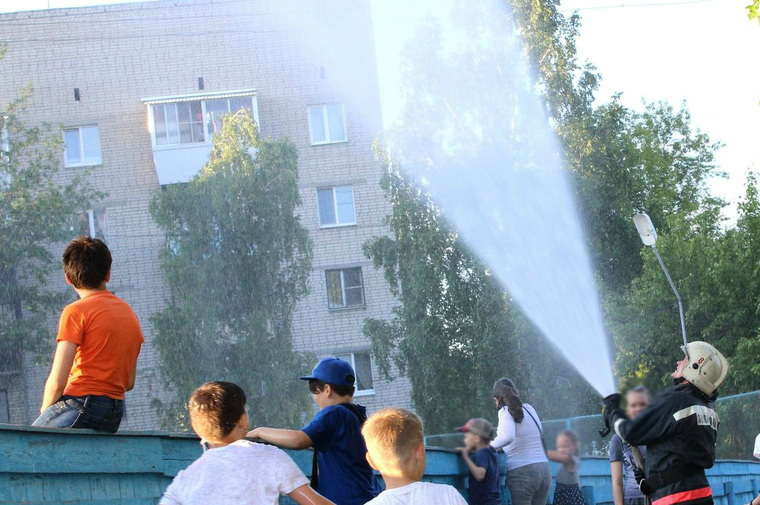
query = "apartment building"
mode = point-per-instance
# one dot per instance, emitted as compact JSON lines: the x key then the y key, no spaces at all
{"x":137,"y":90}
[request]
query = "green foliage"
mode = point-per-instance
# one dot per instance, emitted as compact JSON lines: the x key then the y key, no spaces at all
{"x":38,"y":210}
{"x":237,"y":261}
{"x":753,"y":10}
{"x":716,"y":272}
{"x":651,"y":161}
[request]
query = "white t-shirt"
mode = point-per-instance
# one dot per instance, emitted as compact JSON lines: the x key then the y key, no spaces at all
{"x":419,"y":493}
{"x":242,"y":473}
{"x":521,"y":441}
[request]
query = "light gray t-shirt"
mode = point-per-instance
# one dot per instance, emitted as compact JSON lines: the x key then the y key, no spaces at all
{"x":568,"y":478}
{"x":242,"y":473}
{"x":521,"y":441}
{"x":419,"y":492}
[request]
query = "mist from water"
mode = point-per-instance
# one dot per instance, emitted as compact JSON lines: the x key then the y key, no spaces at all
{"x":474,"y":131}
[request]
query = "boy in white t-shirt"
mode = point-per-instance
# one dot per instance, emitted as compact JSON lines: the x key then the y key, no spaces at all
{"x":234,"y":471}
{"x":396,"y":448}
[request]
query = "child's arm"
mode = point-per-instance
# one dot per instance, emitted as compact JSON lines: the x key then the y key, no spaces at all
{"x":305,"y":495}
{"x":477,"y":471}
{"x":566,"y":459}
{"x":289,"y":439}
{"x":616,"y":468}
{"x":59,"y":373}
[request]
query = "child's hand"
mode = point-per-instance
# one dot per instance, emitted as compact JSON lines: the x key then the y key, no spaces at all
{"x":253,"y":433}
{"x":463,"y":450}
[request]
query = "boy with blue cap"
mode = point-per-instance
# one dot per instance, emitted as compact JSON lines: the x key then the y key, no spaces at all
{"x":340,"y":472}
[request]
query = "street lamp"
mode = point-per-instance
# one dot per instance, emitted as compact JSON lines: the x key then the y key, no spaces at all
{"x":649,"y":237}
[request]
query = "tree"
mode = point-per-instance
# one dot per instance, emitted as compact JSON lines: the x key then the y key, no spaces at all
{"x":237,"y":262}
{"x":38,"y":211}
{"x":451,"y":335}
{"x":753,"y":10}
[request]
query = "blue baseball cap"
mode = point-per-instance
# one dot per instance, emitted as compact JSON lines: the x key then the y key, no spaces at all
{"x":332,"y":371}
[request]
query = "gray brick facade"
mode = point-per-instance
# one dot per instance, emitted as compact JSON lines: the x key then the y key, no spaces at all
{"x":295,"y":55}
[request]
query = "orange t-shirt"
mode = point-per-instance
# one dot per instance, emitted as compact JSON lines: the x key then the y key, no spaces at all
{"x":109,"y":338}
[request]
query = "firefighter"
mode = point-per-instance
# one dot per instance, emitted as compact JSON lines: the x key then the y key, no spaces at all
{"x":679,"y":429}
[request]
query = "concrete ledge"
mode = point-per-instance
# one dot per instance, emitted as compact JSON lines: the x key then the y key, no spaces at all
{"x":43,"y":465}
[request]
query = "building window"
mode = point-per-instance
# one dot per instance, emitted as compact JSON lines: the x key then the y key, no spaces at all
{"x":327,"y":123}
{"x":82,"y":146}
{"x":93,"y":223}
{"x":336,"y":206}
{"x":194,"y":121}
{"x":362,"y":365}
{"x":344,"y":288}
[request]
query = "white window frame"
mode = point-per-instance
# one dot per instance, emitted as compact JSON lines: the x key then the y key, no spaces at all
{"x":352,"y":362}
{"x":81,"y":163}
{"x":325,"y":124}
{"x":343,"y":288}
{"x":337,"y":224}
{"x":203,"y":98}
{"x":91,"y":226}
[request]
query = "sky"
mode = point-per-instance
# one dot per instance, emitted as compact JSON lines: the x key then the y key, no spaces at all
{"x":703,"y":52}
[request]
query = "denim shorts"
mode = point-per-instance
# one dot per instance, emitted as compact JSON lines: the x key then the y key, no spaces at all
{"x":99,"y":413}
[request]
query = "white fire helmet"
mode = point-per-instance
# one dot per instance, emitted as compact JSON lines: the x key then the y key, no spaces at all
{"x":707,"y":367}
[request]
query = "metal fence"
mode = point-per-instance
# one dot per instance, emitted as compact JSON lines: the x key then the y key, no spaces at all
{"x":739,"y":425}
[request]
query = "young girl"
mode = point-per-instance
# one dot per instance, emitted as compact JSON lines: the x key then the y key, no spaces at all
{"x":568,"y":491}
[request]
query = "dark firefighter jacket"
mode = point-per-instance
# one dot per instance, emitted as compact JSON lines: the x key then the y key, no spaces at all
{"x":679,"y":430}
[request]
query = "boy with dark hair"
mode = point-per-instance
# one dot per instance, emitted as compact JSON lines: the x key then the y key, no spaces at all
{"x":99,"y":339}
{"x":234,"y":471}
{"x":396,"y":449}
{"x":483,"y":464}
{"x":340,"y":472}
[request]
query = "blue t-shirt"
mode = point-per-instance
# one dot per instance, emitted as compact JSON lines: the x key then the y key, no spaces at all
{"x":486,"y":491}
{"x":620,"y":451}
{"x":345,"y":477}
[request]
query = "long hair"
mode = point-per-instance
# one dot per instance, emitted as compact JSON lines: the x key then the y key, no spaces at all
{"x":506,"y":395}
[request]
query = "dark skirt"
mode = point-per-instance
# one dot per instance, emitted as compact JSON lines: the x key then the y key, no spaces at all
{"x":565,"y":494}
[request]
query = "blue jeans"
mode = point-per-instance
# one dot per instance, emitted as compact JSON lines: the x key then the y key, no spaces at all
{"x":530,"y":484}
{"x":99,"y":413}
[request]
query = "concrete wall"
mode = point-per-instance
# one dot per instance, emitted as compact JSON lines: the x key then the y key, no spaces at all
{"x":294,"y":54}
{"x":80,"y":467}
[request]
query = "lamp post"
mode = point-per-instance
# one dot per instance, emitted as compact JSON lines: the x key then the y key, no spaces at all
{"x":649,"y":237}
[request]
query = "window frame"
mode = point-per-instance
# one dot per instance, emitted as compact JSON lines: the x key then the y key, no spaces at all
{"x":81,"y":163}
{"x":337,"y":224}
{"x":92,"y":227}
{"x":207,"y":139}
{"x":352,"y":355}
{"x":343,"y":289}
{"x":326,"y":124}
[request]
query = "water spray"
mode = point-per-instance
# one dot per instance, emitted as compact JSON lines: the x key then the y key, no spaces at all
{"x":649,"y":237}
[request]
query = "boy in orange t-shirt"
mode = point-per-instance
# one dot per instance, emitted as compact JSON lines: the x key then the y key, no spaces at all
{"x":99,"y":339}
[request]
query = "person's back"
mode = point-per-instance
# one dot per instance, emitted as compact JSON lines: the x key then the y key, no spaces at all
{"x":418,"y":493}
{"x":108,"y":334}
{"x":336,"y":436}
{"x":234,"y":471}
{"x":341,"y":472}
{"x":396,"y":448}
{"x":98,"y":342}
{"x":522,"y":442}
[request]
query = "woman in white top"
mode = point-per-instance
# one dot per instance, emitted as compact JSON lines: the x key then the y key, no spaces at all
{"x":520,"y":434}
